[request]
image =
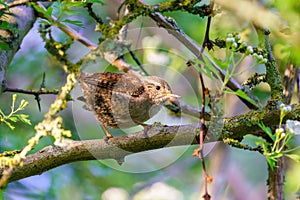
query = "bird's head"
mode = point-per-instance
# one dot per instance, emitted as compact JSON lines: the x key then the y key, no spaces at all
{"x":158,"y":89}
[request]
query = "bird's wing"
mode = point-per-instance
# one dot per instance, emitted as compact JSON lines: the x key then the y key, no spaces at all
{"x":130,"y":84}
{"x":125,"y":84}
{"x":103,"y":80}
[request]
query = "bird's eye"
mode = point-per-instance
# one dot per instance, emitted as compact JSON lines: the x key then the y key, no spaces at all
{"x":157,"y":87}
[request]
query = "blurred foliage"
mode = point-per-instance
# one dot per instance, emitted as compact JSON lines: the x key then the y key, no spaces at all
{"x":5,"y":26}
{"x":234,"y":171}
{"x":13,"y":117}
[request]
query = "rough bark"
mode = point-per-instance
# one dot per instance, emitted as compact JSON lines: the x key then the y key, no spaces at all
{"x":23,"y":19}
{"x":276,"y":181}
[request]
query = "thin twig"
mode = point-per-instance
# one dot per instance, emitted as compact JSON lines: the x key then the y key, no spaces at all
{"x":17,"y":3}
{"x":298,"y":83}
{"x":35,"y":93}
{"x":273,"y":76}
{"x":195,"y":49}
{"x":289,"y":79}
{"x":202,"y":137}
{"x":137,"y":61}
{"x":93,"y":14}
{"x":32,"y":92}
{"x":71,"y":32}
{"x":203,"y":128}
{"x":206,"y":42}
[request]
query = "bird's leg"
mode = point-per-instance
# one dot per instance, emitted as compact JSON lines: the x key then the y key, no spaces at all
{"x":107,"y":133}
{"x":145,"y":126}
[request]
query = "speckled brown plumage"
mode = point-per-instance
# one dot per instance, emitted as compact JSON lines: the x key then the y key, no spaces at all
{"x":123,"y":100}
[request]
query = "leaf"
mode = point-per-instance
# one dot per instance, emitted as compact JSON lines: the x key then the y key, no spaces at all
{"x":5,"y":25}
{"x":96,"y":1}
{"x":49,"y":11}
{"x":267,"y":130}
{"x":272,"y":159}
{"x":9,"y":125}
{"x":43,"y":21}
{"x":23,"y":118}
{"x":243,"y":95}
{"x":4,"y":46}
{"x":13,"y":119}
{"x":294,"y":157}
{"x":38,"y":9}
{"x":271,"y":162}
{"x":74,"y":22}
{"x":42,"y":11}
{"x":1,"y":114}
{"x":208,"y":69}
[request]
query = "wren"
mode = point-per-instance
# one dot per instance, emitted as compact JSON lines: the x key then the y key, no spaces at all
{"x":123,"y":100}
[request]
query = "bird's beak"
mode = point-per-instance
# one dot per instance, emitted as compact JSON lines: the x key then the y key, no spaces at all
{"x":170,"y":95}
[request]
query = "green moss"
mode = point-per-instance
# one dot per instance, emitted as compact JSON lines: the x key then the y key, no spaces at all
{"x":273,"y":78}
{"x":138,"y":9}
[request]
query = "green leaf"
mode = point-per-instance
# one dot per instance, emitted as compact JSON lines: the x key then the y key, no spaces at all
{"x":37,"y":8}
{"x":243,"y":95}
{"x":9,"y":125}
{"x":13,"y":119}
{"x":74,"y":22}
{"x":43,"y":21}
{"x":96,"y":1}
{"x":49,"y":11}
{"x":271,"y":163}
{"x":42,"y":11}
{"x":208,"y":70}
{"x":294,"y":157}
{"x":267,"y":130}
{"x":272,"y":159}
{"x":1,"y":114}
{"x":23,"y":118}
{"x":4,"y":46}
{"x":5,"y":25}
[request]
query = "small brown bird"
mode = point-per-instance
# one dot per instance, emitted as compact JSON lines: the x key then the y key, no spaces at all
{"x":123,"y":100}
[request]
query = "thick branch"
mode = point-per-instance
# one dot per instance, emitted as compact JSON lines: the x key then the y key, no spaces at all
{"x":160,"y":136}
{"x":117,"y":148}
{"x":23,"y":18}
{"x":276,"y":181}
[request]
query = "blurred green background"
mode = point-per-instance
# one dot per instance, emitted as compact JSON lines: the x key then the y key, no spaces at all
{"x":169,"y":173}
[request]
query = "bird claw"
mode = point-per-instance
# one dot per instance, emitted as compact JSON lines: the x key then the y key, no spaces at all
{"x":107,"y":137}
{"x":146,"y":128}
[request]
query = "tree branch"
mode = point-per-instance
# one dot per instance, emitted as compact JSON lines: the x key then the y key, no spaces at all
{"x":23,"y":18}
{"x":160,"y":136}
{"x":196,"y":50}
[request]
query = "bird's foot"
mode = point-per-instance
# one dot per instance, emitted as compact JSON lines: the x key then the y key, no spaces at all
{"x":107,"y":133}
{"x":145,"y":126}
{"x":107,"y":137}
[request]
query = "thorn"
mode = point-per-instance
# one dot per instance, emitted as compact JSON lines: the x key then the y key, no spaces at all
{"x":38,"y":100}
{"x":206,"y":196}
{"x":43,"y":81}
